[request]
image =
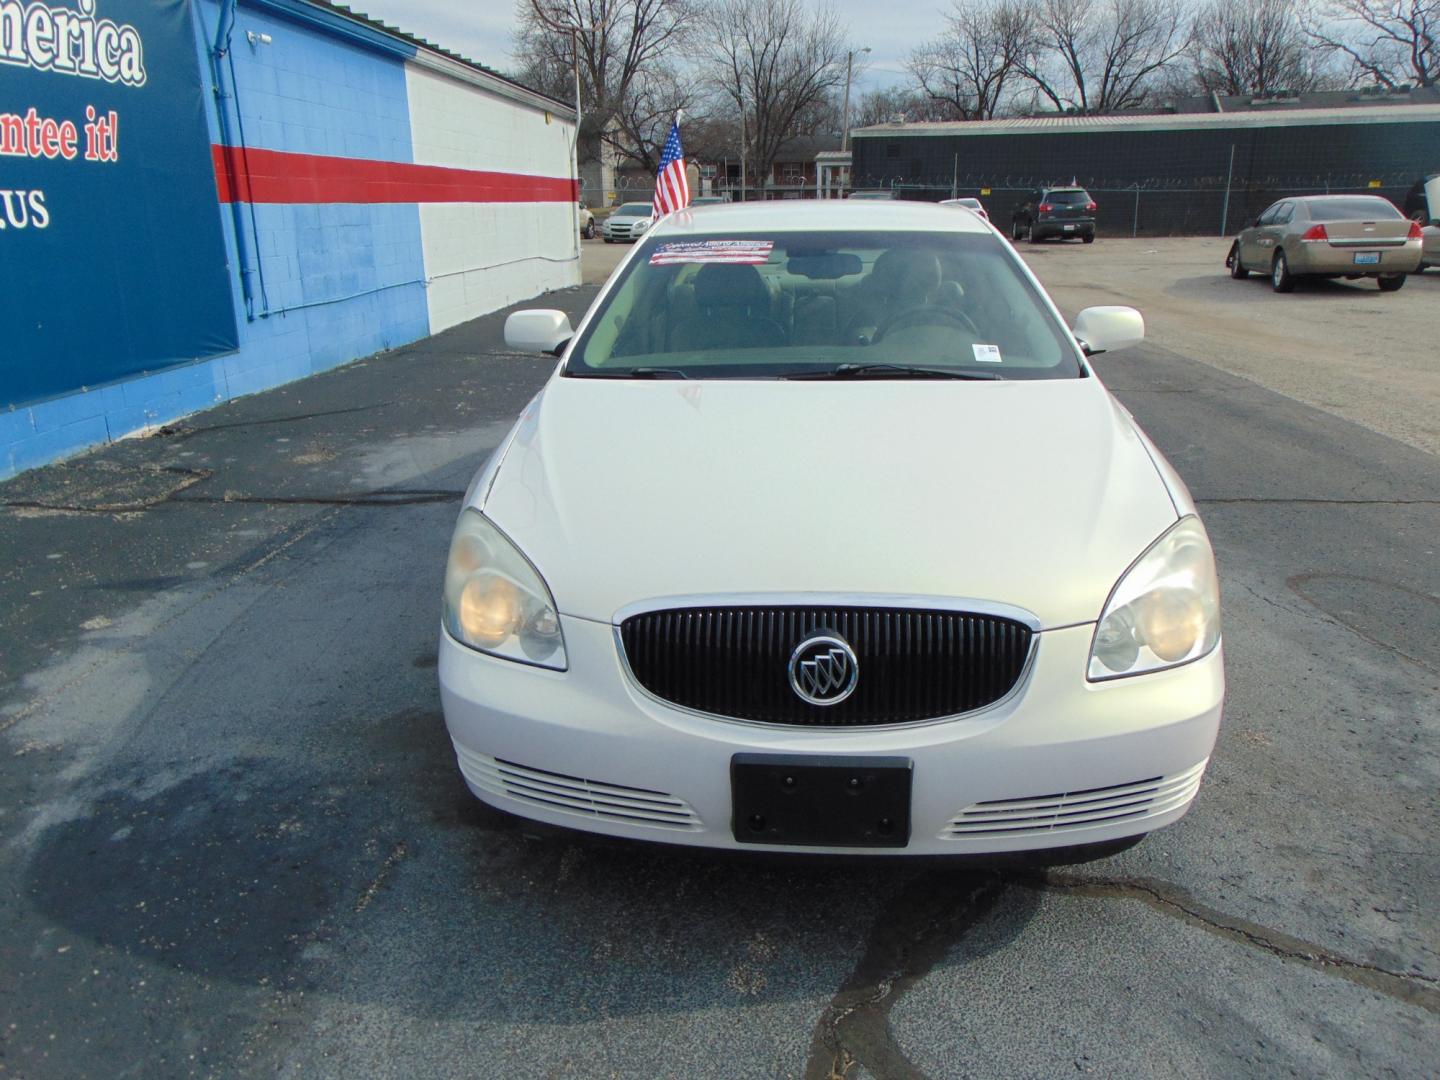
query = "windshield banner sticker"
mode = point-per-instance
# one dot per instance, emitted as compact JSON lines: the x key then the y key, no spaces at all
{"x":743,"y":252}
{"x":986,"y":354}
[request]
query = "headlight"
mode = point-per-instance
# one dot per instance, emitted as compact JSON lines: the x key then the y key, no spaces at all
{"x":641,"y":225}
{"x":495,"y":601}
{"x":1165,"y":611}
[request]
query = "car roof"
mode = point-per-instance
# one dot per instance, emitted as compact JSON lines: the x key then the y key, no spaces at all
{"x":820,"y":215}
{"x":1331,"y":198}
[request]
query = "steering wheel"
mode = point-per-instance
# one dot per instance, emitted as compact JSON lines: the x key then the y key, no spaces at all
{"x":920,"y":316}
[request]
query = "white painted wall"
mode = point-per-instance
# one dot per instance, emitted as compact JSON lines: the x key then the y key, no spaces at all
{"x":480,"y":257}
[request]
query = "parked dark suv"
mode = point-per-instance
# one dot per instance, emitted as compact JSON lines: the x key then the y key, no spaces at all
{"x":1055,"y":211}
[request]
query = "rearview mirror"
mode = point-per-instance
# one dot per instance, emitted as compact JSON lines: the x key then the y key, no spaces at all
{"x":1109,"y":329}
{"x":824,"y":265}
{"x":541,"y":330}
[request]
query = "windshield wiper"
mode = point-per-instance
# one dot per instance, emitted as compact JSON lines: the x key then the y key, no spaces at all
{"x":634,"y":373}
{"x":894,"y":371}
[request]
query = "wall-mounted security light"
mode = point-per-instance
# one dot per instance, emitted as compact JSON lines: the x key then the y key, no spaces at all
{"x":257,"y":39}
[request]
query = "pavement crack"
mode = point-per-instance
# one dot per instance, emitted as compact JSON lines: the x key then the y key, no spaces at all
{"x":1174,"y":901}
{"x":177,"y":433}
{"x":367,"y":895}
{"x":1257,"y":500}
{"x":389,"y":497}
{"x":911,"y":934}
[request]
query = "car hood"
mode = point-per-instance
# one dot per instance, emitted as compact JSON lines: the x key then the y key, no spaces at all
{"x":1034,"y":494}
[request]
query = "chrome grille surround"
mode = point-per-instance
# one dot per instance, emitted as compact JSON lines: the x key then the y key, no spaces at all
{"x":574,"y":795}
{"x":922,"y":660}
{"x":1045,"y":814}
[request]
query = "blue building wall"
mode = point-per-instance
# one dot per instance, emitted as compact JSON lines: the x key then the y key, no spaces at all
{"x":340,"y":281}
{"x":336,"y":280}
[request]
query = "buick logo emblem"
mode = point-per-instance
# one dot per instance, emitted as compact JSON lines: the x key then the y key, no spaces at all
{"x":823,"y":670}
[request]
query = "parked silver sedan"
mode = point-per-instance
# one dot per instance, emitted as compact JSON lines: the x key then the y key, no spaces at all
{"x":629,"y":221}
{"x":1351,"y":236}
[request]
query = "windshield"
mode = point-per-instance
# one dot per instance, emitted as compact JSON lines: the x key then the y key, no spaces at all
{"x":811,"y":304}
{"x":634,"y":209}
{"x":1067,"y":198}
{"x":1361,"y":209}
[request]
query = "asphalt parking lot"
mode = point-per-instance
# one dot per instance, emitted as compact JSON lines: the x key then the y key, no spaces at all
{"x":234,"y":840}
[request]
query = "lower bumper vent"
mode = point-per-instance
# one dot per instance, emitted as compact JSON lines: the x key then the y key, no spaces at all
{"x":574,"y":795}
{"x":1036,"y":814}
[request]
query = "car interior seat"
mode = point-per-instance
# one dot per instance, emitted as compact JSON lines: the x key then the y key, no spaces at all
{"x":733,"y":311}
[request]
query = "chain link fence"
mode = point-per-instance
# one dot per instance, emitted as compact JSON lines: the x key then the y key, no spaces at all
{"x":1156,"y":205}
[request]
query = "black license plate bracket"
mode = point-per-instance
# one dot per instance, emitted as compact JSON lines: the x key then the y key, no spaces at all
{"x":820,"y":801}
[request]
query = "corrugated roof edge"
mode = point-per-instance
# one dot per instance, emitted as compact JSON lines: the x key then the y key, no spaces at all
{"x":1044,"y":125}
{"x":425,"y":52}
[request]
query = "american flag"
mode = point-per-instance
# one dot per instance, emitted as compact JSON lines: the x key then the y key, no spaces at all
{"x":672,"y":189}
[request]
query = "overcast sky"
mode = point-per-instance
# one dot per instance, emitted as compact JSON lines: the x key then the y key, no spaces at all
{"x":481,"y":29}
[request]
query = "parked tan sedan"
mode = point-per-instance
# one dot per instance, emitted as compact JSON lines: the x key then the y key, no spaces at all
{"x":1350,"y":236}
{"x":1432,"y":246}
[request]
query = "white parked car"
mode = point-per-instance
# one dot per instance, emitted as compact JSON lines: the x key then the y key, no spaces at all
{"x":825,"y":536}
{"x":974,"y":205}
{"x":587,"y":221}
{"x":629,"y":221}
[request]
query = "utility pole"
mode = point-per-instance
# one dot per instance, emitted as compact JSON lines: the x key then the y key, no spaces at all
{"x":574,"y":30}
{"x":744,"y":138}
{"x":845,"y":113}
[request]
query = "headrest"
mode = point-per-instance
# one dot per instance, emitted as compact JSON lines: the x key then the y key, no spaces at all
{"x":902,"y":273}
{"x":729,"y":285}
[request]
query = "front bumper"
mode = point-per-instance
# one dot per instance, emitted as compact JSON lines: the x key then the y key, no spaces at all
{"x":1321,"y":258}
{"x":1074,"y":762}
{"x":624,"y":232}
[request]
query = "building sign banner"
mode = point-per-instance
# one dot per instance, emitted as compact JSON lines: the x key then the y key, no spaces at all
{"x":112,"y":262}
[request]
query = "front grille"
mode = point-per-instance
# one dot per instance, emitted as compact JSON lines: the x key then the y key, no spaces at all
{"x":575,"y":795}
{"x":913,"y":665}
{"x":1077,"y":809}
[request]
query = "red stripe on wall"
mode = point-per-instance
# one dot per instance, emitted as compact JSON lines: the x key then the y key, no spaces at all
{"x":274,"y":176}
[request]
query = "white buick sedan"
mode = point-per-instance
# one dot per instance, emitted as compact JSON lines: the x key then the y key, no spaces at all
{"x":825,"y":536}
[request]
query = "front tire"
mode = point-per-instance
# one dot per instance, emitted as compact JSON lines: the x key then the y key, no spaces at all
{"x":1015,"y":231}
{"x":1281,"y":280}
{"x":1390,"y":282}
{"x":589,"y":232}
{"x":1237,"y":268}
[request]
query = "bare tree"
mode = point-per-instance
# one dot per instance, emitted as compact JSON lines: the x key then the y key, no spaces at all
{"x":774,"y":62}
{"x":968,"y":66}
{"x":1390,"y":42}
{"x":643,"y":116}
{"x":1097,"y":56}
{"x":626,"y":80}
{"x":1254,"y":47}
{"x":905,"y":104}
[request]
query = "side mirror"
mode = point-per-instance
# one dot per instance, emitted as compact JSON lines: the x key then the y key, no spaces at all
{"x":541,"y":330}
{"x":1109,"y":329}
